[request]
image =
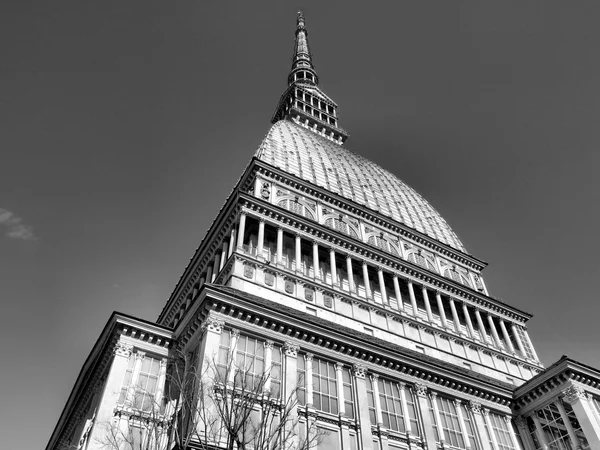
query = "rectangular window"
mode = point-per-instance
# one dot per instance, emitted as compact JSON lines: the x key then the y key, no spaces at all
{"x":348,"y":393}
{"x":147,"y":384}
{"x":450,"y":422}
{"x":371,"y":402}
{"x":391,"y":405}
{"x":502,"y":433}
{"x":470,"y":426}
{"x":324,"y":386}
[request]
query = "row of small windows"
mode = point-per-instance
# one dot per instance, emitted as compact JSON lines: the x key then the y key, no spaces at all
{"x":315,"y":112}
{"x":314,"y":101}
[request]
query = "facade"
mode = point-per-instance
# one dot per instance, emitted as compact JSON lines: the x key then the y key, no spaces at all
{"x":346,"y":280}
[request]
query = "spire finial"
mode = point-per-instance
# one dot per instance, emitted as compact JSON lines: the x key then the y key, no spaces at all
{"x":300,"y":21}
{"x":302,"y":65}
{"x":303,"y":101}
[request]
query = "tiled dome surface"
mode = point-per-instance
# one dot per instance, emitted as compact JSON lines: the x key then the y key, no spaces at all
{"x":317,"y":160}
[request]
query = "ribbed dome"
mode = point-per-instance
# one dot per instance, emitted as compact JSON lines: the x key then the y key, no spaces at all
{"x":315,"y":159}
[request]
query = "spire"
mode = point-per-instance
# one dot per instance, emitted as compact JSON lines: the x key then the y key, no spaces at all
{"x":303,"y":101}
{"x":302,"y":66}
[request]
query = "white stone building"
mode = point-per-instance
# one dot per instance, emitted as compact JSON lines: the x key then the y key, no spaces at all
{"x":328,"y":266}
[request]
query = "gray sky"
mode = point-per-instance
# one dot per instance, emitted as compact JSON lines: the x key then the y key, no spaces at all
{"x":124,"y":125}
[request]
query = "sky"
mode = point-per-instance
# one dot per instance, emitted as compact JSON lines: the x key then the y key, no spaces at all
{"x":124,"y":125}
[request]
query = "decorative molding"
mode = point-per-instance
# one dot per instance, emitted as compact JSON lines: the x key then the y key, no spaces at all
{"x":359,"y":371}
{"x":291,"y":349}
{"x":574,"y":393}
{"x":213,"y":324}
{"x":123,"y":349}
{"x":475,"y":407}
{"x":420,"y":389}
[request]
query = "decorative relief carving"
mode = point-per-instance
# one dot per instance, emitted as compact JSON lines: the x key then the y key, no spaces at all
{"x":123,"y":349}
{"x":420,"y":389}
{"x":213,"y":324}
{"x":269,"y":279}
{"x":265,"y":190}
{"x":521,"y":423}
{"x":289,"y":286}
{"x":359,"y":371}
{"x":268,"y":344}
{"x":475,"y":407}
{"x":309,"y":357}
{"x":485,"y":411}
{"x":291,"y":349}
{"x":327,"y":301}
{"x":574,"y":393}
{"x":248,"y":271}
{"x":309,"y":294}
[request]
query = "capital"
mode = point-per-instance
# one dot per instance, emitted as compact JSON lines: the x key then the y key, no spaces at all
{"x":291,"y":349}
{"x":309,"y":357}
{"x":420,"y":389}
{"x":359,"y":370}
{"x":485,"y":411}
{"x":268,"y":344}
{"x":475,"y":407}
{"x":574,"y":393}
{"x":140,"y":355}
{"x":213,"y":324}
{"x":520,"y":422}
{"x":123,"y":349}
{"x":339,"y":366}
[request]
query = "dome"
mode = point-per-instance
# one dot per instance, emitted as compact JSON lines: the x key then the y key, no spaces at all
{"x":310,"y":157}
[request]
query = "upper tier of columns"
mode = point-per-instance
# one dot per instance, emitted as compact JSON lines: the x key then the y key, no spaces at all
{"x":357,"y":277}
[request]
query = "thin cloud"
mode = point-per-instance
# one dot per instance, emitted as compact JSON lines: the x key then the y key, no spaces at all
{"x":15,"y":228}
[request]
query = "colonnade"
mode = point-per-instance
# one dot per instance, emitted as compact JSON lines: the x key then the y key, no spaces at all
{"x":359,"y":278}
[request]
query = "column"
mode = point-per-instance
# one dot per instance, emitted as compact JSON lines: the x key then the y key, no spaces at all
{"x":461,"y":423}
{"x":308,"y":379}
{"x":468,"y":320}
{"x":216,"y":265}
{"x":223,"y":255}
{"x":235,"y":337}
{"x":268,"y":362}
{"x":509,"y":343}
{"x":455,"y":320}
{"x":298,"y":253}
{"x":242,"y":230}
{"x":488,"y":422}
{"x":340,"y":387}
{"x":438,"y":421}
{"x":482,"y":331}
{"x":531,"y":345}
{"x":407,"y":424}
{"x":350,"y":273}
{"x":480,"y":425}
{"x":114,"y":382}
{"x":494,"y":331}
{"x":440,"y":304}
{"x":518,"y":339}
{"x":398,"y":293}
{"x":428,"y":434}
{"x":362,"y":401}
{"x":427,"y":304}
{"x":511,"y":431}
{"x":575,"y":395}
{"x":231,"y":242}
{"x":374,"y":383}
{"x":539,"y":431}
{"x":382,"y":288}
{"x":316,"y":271}
{"x":290,"y":389}
{"x":334,"y":280}
{"x":209,"y":271}
{"x":279,"y":245}
{"x":413,"y":300}
{"x":523,"y":430}
{"x":567,"y":423}
{"x":366,"y":279}
{"x":261,"y":238}
{"x":162,"y":377}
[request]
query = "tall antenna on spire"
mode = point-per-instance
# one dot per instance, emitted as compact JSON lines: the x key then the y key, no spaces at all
{"x":302,"y":66}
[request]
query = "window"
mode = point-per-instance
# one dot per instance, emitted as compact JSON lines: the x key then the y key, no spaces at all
{"x":502,"y":433}
{"x":450,"y":422}
{"x":324,"y":386}
{"x":528,"y":353}
{"x":143,"y":388}
{"x":348,"y":393}
{"x":391,"y":405}
{"x":470,"y":427}
{"x":246,"y":363}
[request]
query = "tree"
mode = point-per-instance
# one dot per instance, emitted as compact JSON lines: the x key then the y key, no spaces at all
{"x":217,"y":404}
